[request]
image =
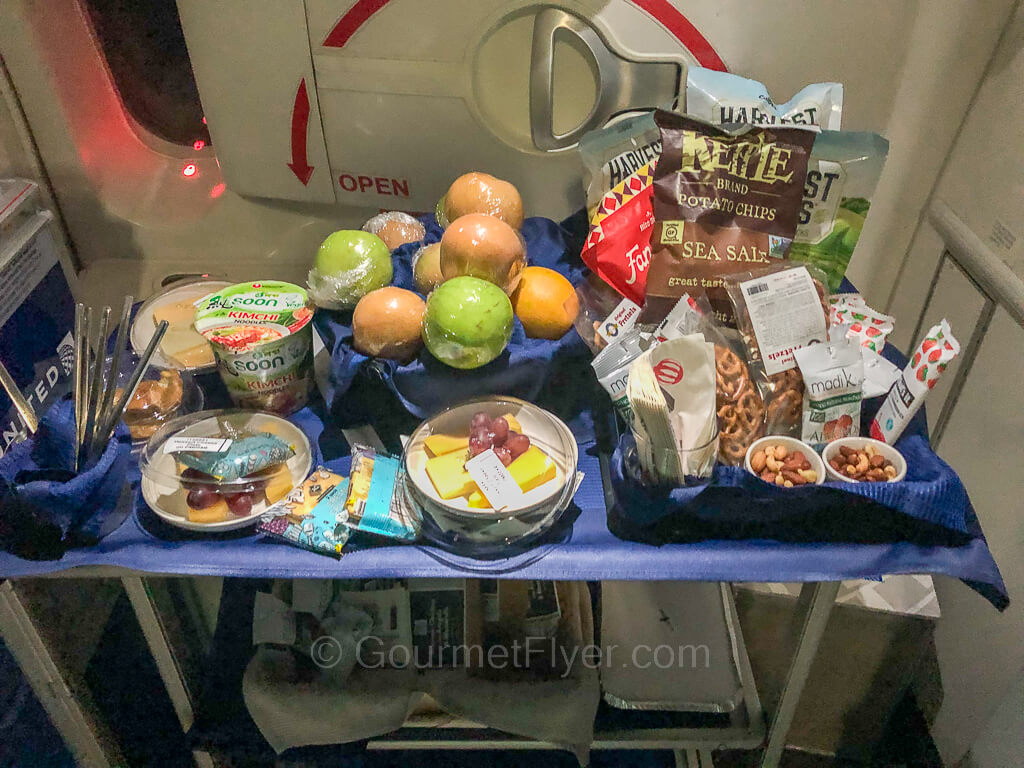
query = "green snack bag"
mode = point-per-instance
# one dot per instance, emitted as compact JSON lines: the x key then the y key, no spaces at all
{"x":841,"y":177}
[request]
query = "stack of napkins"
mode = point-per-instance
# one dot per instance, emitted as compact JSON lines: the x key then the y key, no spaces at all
{"x":672,"y":393}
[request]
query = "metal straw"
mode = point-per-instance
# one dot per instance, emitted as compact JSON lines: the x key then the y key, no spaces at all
{"x":28,"y":414}
{"x":82,"y":322}
{"x":107,"y":428}
{"x":96,"y":379}
{"x":120,"y":344}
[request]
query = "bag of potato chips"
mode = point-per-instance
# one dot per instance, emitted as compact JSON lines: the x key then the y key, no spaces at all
{"x":725,"y":200}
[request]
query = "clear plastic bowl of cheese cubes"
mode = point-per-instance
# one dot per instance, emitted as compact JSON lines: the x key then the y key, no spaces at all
{"x":529,"y":455}
{"x":220,"y":470}
{"x":181,"y":347}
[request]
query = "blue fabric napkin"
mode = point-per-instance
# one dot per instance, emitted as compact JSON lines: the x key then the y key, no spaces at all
{"x":425,"y":385}
{"x":45,"y":507}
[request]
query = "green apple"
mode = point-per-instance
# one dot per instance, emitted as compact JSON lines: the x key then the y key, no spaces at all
{"x":468,"y":322}
{"x":349,"y":264}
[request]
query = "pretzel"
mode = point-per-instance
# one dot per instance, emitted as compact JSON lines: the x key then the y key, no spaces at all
{"x":784,"y":409}
{"x":740,"y":410}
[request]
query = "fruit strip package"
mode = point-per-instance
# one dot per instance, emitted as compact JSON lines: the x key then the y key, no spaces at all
{"x":312,"y":515}
{"x":374,"y":501}
{"x":725,"y":201}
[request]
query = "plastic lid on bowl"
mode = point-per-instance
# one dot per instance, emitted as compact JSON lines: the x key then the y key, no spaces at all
{"x":223,"y":449}
{"x":548,"y":435}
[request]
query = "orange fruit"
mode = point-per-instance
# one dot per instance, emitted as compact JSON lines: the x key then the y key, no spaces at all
{"x":545,"y":303}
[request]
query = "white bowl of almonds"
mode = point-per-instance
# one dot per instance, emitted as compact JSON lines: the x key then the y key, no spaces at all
{"x":784,"y":461}
{"x":863,"y":460}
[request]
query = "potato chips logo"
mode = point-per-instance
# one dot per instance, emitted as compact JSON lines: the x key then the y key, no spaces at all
{"x":754,"y":159}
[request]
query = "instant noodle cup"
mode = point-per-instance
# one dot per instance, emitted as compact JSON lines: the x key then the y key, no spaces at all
{"x":262,"y":337}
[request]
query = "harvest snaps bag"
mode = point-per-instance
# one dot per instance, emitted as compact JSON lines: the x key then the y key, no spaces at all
{"x":725,"y":201}
{"x":721,"y":97}
{"x":841,"y":177}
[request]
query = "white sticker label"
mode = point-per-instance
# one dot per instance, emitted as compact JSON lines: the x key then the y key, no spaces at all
{"x":621,"y":319}
{"x":494,"y":481}
{"x":198,"y":444}
{"x":786,"y":313}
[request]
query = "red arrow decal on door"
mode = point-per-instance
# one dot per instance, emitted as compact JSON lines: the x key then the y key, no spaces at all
{"x":300,"y":122}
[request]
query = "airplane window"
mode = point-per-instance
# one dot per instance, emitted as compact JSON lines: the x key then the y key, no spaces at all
{"x":145,"y":51}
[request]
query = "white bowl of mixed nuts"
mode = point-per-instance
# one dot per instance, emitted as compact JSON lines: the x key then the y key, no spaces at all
{"x":863,"y":460}
{"x":784,"y":461}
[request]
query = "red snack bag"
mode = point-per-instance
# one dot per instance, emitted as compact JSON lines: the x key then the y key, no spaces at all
{"x":618,"y":247}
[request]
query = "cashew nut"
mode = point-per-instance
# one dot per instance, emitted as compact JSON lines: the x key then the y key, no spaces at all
{"x":772,"y":464}
{"x":809,"y":475}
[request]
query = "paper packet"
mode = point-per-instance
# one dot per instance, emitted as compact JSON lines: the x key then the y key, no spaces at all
{"x":833,"y":375}
{"x":929,"y":361}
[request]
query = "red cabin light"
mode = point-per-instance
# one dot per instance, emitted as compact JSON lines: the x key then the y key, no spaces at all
{"x":218,"y":190}
{"x":198,"y":144}
{"x":189,"y":170}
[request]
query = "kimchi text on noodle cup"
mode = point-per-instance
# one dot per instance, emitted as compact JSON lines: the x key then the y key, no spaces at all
{"x":262,"y":337}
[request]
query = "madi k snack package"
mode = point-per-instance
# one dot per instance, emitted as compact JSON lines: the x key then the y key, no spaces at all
{"x":841,"y":177}
{"x":721,"y":97}
{"x":833,"y":380}
{"x":618,"y":165}
{"x":907,"y":395}
{"x":725,"y":201}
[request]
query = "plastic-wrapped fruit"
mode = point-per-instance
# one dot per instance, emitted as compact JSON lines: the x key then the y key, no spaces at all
{"x":386,"y":323}
{"x":499,"y":428}
{"x":349,"y":264}
{"x":426,"y":268}
{"x":468,"y":322}
{"x":395,"y":228}
{"x":477,"y":192}
{"x":483,"y":246}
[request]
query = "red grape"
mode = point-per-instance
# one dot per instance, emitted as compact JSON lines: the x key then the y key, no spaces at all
{"x":517,"y":444}
{"x":503,"y":455}
{"x":201,"y":497}
{"x":499,"y":428}
{"x":484,"y":434}
{"x":480,"y":419}
{"x":478,"y":444}
{"x":240,"y":504}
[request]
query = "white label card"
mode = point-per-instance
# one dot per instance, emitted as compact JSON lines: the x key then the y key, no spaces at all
{"x":197,"y":444}
{"x":786,"y":313}
{"x":494,"y":480}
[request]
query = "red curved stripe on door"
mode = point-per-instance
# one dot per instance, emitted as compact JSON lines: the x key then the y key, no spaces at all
{"x":352,"y":20}
{"x":661,"y":10}
{"x":682,"y":30}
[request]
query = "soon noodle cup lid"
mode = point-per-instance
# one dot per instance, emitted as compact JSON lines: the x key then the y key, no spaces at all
{"x":245,"y":315}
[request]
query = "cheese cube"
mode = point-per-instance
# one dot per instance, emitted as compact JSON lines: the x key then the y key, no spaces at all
{"x":530,"y":471}
{"x":279,"y":485}
{"x":179,"y":313}
{"x":439,"y":445}
{"x":449,"y":476}
{"x":215,"y":513}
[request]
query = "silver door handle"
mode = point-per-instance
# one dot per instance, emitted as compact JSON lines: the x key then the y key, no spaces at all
{"x":622,"y":85}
